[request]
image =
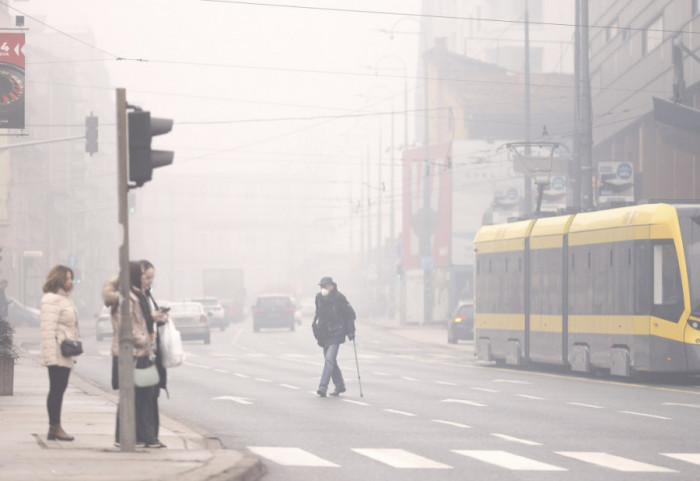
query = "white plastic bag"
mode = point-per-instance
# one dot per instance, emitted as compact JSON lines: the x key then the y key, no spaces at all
{"x":171,"y":345}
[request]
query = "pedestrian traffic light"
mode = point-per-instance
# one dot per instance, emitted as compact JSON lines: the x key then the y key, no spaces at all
{"x":91,"y":123}
{"x":142,"y":159}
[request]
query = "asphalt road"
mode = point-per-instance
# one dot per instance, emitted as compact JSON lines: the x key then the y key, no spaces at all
{"x":428,"y":410}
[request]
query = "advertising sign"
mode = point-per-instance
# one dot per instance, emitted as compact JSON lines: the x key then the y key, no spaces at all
{"x":616,"y":182}
{"x":12,"y":80}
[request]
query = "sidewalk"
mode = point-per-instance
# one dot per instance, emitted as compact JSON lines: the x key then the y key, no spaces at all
{"x":89,"y":415}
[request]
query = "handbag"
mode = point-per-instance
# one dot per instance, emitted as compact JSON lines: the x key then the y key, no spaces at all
{"x":145,"y":373}
{"x":71,"y":348}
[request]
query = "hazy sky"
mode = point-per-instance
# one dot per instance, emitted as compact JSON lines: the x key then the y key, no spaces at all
{"x":250,"y":86}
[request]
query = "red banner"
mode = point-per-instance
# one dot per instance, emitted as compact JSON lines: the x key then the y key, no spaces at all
{"x":12,"y":80}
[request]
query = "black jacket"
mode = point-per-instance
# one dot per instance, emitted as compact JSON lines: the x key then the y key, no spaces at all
{"x":335,"y":317}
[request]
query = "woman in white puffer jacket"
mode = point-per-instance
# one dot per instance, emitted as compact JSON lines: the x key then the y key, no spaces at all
{"x":59,"y":321}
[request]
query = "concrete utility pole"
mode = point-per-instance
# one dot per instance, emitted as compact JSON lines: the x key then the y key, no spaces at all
{"x":527,"y":187}
{"x":576,"y":167}
{"x":425,"y":243}
{"x":127,"y":418}
{"x":585,"y":109}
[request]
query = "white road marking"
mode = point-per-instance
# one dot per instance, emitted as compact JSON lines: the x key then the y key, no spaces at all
{"x":445,"y":383}
{"x":508,"y":460}
{"x":291,"y":457}
{"x":398,"y":458}
{"x":485,"y":389}
{"x":645,"y":415}
{"x":289,"y":386}
{"x":693,"y":458}
{"x":201,"y":366}
{"x":239,"y":400}
{"x":464,"y":401}
{"x":101,"y":353}
{"x":593,"y":406}
{"x":450,"y":423}
{"x":684,"y":405}
{"x":511,"y":381}
{"x":527,"y":396}
{"x":377,"y":373}
{"x":238,"y":374}
{"x":220,"y":354}
{"x":224,"y":371}
{"x":516,"y":440}
{"x":617,"y":463}
{"x":354,"y":402}
{"x":404,"y":413}
{"x":409,"y":378}
{"x":262,"y":379}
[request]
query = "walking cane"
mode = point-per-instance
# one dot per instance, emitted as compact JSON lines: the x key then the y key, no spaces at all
{"x":358,"y":367}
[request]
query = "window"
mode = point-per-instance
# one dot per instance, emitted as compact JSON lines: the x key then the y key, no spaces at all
{"x":653,"y":35}
{"x":667,"y":291}
{"x":611,"y":30}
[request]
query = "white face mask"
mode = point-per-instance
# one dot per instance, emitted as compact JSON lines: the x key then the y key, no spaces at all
{"x":324,"y":292}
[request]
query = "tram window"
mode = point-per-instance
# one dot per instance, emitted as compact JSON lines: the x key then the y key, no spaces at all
{"x":589,"y":260}
{"x":506,"y":264}
{"x":629,"y":257}
{"x":666,"y":282}
{"x":573,"y":262}
{"x":611,"y":257}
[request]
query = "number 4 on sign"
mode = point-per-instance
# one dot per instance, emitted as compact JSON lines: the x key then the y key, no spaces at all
{"x":239,"y":400}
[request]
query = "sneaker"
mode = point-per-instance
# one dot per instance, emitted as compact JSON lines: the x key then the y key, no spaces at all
{"x":139,"y":444}
{"x":321,"y":393}
{"x":338,"y":391}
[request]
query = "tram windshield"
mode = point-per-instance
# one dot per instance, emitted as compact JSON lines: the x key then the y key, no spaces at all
{"x":691,"y":243}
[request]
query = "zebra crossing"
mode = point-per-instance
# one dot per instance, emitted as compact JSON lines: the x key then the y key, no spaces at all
{"x":402,"y":459}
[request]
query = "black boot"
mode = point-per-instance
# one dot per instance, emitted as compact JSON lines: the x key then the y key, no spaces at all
{"x":56,"y":433}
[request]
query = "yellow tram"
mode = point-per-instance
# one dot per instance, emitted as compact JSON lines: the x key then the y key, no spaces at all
{"x":616,"y":290}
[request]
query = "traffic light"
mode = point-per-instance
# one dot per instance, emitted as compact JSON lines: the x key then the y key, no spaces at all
{"x":142,"y":159}
{"x":91,"y":123}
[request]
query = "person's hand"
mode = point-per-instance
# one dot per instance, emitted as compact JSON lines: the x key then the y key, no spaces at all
{"x":351,"y":336}
{"x":152,"y":337}
{"x":157,"y":315}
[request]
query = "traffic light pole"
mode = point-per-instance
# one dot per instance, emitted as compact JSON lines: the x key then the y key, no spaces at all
{"x":127,"y":417}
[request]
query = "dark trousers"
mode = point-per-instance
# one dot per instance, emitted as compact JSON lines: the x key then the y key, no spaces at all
{"x":58,"y":382}
{"x":146,"y":415}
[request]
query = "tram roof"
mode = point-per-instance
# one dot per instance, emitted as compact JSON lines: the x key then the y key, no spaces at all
{"x":636,"y":215}
{"x":504,"y":232}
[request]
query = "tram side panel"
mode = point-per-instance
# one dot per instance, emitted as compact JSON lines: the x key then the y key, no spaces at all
{"x":547,"y":322}
{"x":500,"y":318}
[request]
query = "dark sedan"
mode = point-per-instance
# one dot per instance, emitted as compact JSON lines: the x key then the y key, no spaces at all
{"x":461,"y":324}
{"x":274,"y":310}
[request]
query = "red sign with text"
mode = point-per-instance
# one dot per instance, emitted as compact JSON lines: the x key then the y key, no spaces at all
{"x":12,"y":80}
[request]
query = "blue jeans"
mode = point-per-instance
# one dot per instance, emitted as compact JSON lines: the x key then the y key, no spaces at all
{"x":331,"y":369}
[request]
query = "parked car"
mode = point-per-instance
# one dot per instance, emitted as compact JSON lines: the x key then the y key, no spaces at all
{"x":233,"y":310}
{"x":297,"y":311}
{"x":215,"y":312}
{"x":18,"y":314}
{"x":273,"y":310}
{"x":191,"y":320}
{"x":308,"y":308}
{"x":461,"y":324}
{"x":103,"y":325}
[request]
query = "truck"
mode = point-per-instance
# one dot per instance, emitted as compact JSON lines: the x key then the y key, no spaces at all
{"x":227,"y":285}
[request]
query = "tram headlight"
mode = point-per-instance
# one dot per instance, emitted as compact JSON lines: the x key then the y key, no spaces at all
{"x":695,"y":325}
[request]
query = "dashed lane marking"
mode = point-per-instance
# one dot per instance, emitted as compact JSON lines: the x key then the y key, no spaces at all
{"x":617,"y":463}
{"x":352,"y":401}
{"x":407,"y":378}
{"x":484,"y":389}
{"x":239,"y":400}
{"x":464,"y":401}
{"x":511,"y":381}
{"x":527,"y":396}
{"x":291,"y":457}
{"x":445,"y":383}
{"x":201,"y":366}
{"x":223,"y":371}
{"x":262,"y":379}
{"x":238,"y":374}
{"x":289,"y":386}
{"x":684,"y":405}
{"x":645,"y":415}
{"x":450,"y":423}
{"x":403,"y":413}
{"x":509,"y":461}
{"x":516,"y":440}
{"x":398,"y":458}
{"x":583,"y":405}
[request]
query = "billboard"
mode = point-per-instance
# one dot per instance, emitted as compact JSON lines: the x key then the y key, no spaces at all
{"x":12,"y":82}
{"x":616,"y":182}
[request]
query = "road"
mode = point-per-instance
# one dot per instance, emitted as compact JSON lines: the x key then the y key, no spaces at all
{"x":428,"y":410}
